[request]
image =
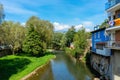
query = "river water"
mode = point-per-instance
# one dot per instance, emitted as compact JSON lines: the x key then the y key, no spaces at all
{"x":63,"y":67}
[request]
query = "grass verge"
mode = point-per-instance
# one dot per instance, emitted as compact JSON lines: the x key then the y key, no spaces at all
{"x":16,"y":67}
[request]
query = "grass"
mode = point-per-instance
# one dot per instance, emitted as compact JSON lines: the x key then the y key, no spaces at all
{"x":16,"y":67}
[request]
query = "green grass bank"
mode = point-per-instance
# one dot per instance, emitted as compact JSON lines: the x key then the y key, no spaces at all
{"x":16,"y":67}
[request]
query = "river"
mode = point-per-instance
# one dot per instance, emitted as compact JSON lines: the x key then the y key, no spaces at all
{"x":63,"y":67}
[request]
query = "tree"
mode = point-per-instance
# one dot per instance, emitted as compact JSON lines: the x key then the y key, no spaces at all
{"x":13,"y":35}
{"x":2,"y":15}
{"x":32,"y":43}
{"x":44,"y":29}
{"x":80,"y":41}
{"x":70,"y":35}
{"x":104,"y":24}
{"x":63,"y":41}
{"x":57,"y":40}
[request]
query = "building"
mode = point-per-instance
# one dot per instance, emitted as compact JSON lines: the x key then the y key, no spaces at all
{"x":113,"y":11}
{"x":99,"y":40}
{"x":100,"y":54}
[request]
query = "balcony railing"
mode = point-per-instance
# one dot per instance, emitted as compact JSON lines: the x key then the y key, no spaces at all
{"x":113,"y":44}
{"x":111,"y":4}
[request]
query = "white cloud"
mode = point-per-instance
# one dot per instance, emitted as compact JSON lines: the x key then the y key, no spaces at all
{"x":59,"y":26}
{"x":77,"y":27}
{"x":87,"y":30}
{"x":23,"y":24}
{"x":87,"y":24}
{"x":65,"y":27}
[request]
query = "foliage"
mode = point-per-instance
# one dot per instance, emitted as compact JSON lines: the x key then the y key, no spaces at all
{"x":16,"y":67}
{"x":56,"y":42}
{"x":44,"y":29}
{"x":63,"y":42}
{"x":32,"y":43}
{"x":80,"y":41}
{"x":104,"y":24}
{"x":70,"y":51}
{"x":12,"y":34}
{"x":69,"y":36}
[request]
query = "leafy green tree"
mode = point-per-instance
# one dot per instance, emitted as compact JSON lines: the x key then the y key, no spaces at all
{"x":70,"y":35}
{"x":104,"y":24}
{"x":57,"y":40}
{"x":44,"y":29}
{"x":63,"y":42}
{"x":32,"y":43}
{"x":12,"y":34}
{"x":80,"y":41}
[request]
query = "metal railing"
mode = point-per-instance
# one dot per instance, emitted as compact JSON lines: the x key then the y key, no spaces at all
{"x":111,"y":4}
{"x":113,"y":44}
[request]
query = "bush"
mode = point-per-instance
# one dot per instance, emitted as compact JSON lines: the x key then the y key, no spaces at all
{"x":74,"y":52}
{"x":70,"y":51}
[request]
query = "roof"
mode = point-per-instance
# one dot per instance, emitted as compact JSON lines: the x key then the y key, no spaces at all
{"x":98,"y":30}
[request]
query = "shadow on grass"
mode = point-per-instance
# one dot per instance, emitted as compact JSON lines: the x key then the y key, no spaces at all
{"x":40,"y":55}
{"x":9,"y":67}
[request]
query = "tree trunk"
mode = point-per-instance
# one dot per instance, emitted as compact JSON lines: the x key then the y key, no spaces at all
{"x":13,"y":52}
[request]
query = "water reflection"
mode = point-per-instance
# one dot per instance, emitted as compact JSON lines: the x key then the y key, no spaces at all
{"x":47,"y":74}
{"x":77,"y":70}
{"x":63,"y":68}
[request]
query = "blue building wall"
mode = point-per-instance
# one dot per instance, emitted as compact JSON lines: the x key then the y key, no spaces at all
{"x":98,"y":36}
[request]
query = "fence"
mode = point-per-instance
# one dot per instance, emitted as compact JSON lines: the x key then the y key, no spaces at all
{"x":114,"y":44}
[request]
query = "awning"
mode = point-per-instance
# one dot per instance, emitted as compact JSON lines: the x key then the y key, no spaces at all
{"x":117,"y":22}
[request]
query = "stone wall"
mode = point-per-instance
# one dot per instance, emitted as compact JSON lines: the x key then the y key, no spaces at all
{"x":101,"y":64}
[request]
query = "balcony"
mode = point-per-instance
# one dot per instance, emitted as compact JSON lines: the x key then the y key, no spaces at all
{"x":115,"y":26}
{"x":110,"y":4}
{"x":113,"y":45}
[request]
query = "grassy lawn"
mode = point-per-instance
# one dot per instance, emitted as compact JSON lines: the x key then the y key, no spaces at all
{"x":16,"y":67}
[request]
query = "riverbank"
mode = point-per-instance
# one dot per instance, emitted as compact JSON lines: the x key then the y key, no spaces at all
{"x":72,"y":53}
{"x":16,"y":67}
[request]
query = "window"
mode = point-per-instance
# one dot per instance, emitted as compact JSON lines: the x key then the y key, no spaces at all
{"x":109,"y":18}
{"x":98,"y":34}
{"x":100,"y":46}
{"x":119,"y":15}
{"x":95,"y":35}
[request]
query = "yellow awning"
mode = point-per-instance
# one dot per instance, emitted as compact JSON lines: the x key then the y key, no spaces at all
{"x":117,"y":22}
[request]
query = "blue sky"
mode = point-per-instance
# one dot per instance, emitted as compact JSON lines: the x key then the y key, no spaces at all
{"x":62,"y":13}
